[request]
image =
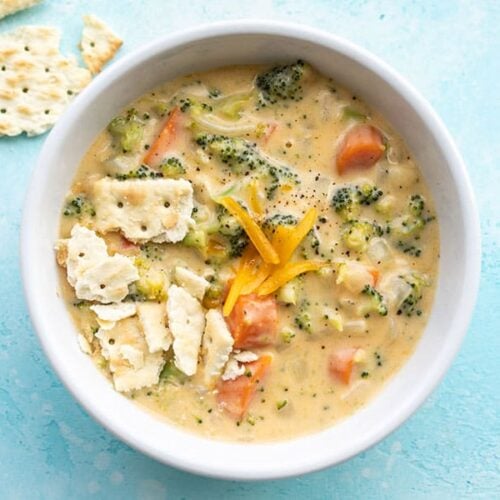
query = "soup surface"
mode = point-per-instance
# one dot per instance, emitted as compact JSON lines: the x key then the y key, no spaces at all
{"x":249,"y":252}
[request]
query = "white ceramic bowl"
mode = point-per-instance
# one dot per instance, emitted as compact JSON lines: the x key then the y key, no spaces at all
{"x":239,"y":43}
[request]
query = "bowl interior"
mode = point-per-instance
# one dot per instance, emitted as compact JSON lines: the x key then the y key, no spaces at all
{"x":239,"y":44}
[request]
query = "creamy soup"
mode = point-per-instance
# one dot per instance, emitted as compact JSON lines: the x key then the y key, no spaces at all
{"x":249,"y":252}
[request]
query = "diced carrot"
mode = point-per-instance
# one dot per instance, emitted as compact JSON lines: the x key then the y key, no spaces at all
{"x":253,"y":322}
{"x":157,"y":150}
{"x":341,"y":363}
{"x":271,"y":127}
{"x":375,"y":274}
{"x":235,"y":396}
{"x":362,"y":147}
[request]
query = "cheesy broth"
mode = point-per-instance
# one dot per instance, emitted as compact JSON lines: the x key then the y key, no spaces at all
{"x":275,"y":141}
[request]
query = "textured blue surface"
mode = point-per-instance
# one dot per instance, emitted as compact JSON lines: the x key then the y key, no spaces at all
{"x":449,"y":49}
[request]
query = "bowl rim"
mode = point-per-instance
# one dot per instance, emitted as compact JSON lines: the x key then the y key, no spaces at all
{"x":362,"y":57}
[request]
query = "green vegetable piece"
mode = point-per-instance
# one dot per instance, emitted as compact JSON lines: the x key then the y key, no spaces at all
{"x":231,"y":230}
{"x":172,"y":167}
{"x":348,"y":200}
{"x":303,"y":318}
{"x":78,"y":207}
{"x":357,"y":234}
{"x":411,"y":224}
{"x":281,"y":404}
{"x":350,"y":113}
{"x":417,"y":282}
{"x":287,"y":335}
{"x":127,"y":130}
{"x":376,"y":302}
{"x":251,"y":420}
{"x":143,"y":172}
{"x":171,"y":374}
{"x":281,"y":84}
{"x":243,"y":158}
{"x":195,"y":238}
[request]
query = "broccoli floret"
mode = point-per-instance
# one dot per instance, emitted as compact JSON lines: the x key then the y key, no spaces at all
{"x":150,"y":285}
{"x":303,"y":318}
{"x":416,"y":205}
{"x":409,"y":305}
{"x":410,"y":224}
{"x":281,"y":83}
{"x":143,"y":172}
{"x":78,"y":206}
{"x":239,"y":155}
{"x":376,"y":302}
{"x":278,"y":176}
{"x":271,"y":223}
{"x":243,"y":158}
{"x":230,"y":228}
{"x":356,"y":234}
{"x":287,"y":335}
{"x":347,"y":200}
{"x":409,"y":249}
{"x":237,"y":243}
{"x":127,"y":130}
{"x":172,"y":167}
{"x":310,"y":246}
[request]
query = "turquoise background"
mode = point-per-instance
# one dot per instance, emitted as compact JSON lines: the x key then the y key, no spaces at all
{"x":449,"y":50}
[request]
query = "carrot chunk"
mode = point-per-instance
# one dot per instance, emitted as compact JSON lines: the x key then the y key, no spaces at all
{"x":156,"y":152}
{"x":362,"y":147}
{"x":253,"y":321}
{"x":236,"y":395}
{"x":341,"y":364}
